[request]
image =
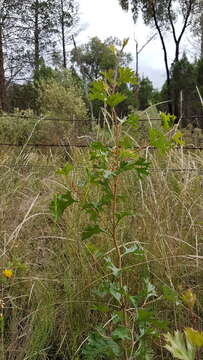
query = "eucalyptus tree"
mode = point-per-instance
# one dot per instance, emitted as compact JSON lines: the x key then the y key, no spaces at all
{"x":163,"y":15}
{"x":198,"y":29}
{"x":201,"y":34}
{"x":201,"y":27}
{"x":67,"y":12}
{"x":38,"y":27}
{"x":96,"y":56}
{"x":9,"y":17}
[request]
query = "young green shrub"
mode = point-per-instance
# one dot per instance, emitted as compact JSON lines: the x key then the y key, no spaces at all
{"x":131,"y":325}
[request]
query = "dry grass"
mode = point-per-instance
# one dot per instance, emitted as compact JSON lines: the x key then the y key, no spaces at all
{"x":47,"y":303}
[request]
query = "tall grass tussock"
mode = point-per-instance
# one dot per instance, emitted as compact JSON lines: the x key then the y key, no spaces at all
{"x":47,"y":301}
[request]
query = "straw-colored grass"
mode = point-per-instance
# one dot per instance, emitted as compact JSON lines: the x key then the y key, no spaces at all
{"x":47,"y":303}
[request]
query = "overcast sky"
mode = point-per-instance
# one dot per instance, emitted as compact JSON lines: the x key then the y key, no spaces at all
{"x":104,"y":18}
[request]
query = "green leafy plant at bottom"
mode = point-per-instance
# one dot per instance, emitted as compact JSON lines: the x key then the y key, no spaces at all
{"x":183,"y":346}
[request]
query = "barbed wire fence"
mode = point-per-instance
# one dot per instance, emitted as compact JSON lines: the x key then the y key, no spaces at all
{"x":21,"y":115}
{"x":15,"y":167}
{"x":65,"y":146}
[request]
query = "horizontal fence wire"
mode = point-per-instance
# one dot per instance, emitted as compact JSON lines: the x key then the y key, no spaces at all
{"x":46,"y":145}
{"x":22,"y":117}
{"x":38,"y":118}
{"x":88,"y":146}
{"x":13,"y":166}
{"x":27,"y":117}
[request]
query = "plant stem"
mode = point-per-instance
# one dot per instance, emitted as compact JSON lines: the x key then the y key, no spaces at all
{"x":114,"y":221}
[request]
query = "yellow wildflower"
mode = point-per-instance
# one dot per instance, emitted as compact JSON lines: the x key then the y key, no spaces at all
{"x":195,"y":337}
{"x":8,"y":273}
{"x":189,"y":298}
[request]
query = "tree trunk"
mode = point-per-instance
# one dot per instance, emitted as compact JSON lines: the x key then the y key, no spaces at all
{"x":2,"y":75}
{"x":36,"y":40}
{"x":63,"y":36}
{"x":168,"y":78}
{"x":36,"y":56}
{"x":201,"y":20}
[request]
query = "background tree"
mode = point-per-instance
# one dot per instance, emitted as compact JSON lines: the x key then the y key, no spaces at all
{"x":145,"y":93}
{"x":163,"y":15}
{"x":21,"y":96}
{"x":201,"y":27}
{"x":38,"y":26}
{"x":96,"y":56}
{"x":61,"y":95}
{"x":9,"y":17}
{"x":198,"y":29}
{"x":29,"y":31}
{"x":68,"y":19}
{"x":185,"y":76}
{"x":93,"y":57}
{"x":183,"y":84}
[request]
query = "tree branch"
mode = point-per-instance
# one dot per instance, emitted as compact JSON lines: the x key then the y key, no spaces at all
{"x":171,"y":21}
{"x":189,"y":10}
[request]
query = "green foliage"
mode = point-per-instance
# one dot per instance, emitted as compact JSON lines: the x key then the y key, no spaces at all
{"x":61,"y":96}
{"x":60,"y":203}
{"x":130,"y":330}
{"x":126,"y":75}
{"x":17,"y":129}
{"x":97,"y":91}
{"x":167,"y":120}
{"x":184,"y":78}
{"x":65,"y":170}
{"x":147,"y":11}
{"x":171,"y":295}
{"x":100,"y":346}
{"x":109,"y":265}
{"x":115,"y":99}
{"x":22,"y":127}
{"x":21,"y":96}
{"x":97,"y":59}
{"x":103,"y":89}
{"x":145,"y":93}
{"x":140,"y":166}
{"x":180,"y":346}
{"x":91,"y":230}
{"x":133,"y":120}
{"x":185,"y":346}
{"x":159,"y":140}
{"x":97,"y":56}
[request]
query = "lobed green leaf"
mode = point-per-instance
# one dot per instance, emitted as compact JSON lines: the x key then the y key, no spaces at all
{"x":115,"y":99}
{"x":91,"y":230}
{"x":60,"y":203}
{"x":65,"y":170}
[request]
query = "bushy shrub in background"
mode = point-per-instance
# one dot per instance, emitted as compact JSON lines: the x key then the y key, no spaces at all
{"x":59,"y":97}
{"x":62,"y":96}
{"x":18,"y":127}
